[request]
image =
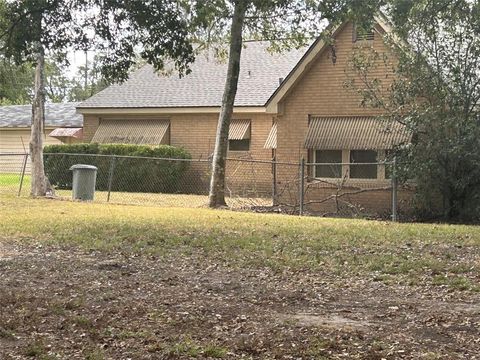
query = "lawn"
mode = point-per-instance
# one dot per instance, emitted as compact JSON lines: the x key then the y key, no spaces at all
{"x":9,"y":185}
{"x":13,"y":180}
{"x":106,"y":281}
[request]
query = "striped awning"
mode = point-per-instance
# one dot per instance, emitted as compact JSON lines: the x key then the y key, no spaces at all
{"x":271,"y":142}
{"x":146,"y":132}
{"x":239,"y":130}
{"x":368,"y":133}
{"x":76,"y":133}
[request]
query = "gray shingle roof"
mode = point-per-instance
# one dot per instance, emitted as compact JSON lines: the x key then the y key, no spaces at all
{"x":56,"y":115}
{"x":259,"y":77}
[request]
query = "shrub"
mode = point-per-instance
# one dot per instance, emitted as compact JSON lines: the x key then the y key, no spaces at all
{"x":136,"y":168}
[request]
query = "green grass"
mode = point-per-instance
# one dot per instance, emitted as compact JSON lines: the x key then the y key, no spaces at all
{"x":13,"y":180}
{"x":9,"y":185}
{"x":408,"y":253}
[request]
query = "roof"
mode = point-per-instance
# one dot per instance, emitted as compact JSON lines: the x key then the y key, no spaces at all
{"x":203,"y":87}
{"x":56,"y":115}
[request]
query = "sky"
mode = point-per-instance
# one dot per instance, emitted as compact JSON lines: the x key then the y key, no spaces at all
{"x":76,"y":59}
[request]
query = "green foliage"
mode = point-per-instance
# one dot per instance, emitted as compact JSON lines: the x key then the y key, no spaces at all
{"x":153,"y":172}
{"x":57,"y":84}
{"x":113,"y":28}
{"x":88,"y":81}
{"x":16,"y":83}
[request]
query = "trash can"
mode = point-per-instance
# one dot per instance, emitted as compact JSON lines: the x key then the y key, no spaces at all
{"x":84,"y":179}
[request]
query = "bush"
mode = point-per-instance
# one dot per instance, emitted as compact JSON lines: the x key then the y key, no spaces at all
{"x":136,"y":168}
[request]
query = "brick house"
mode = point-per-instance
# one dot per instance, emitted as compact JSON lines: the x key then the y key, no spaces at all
{"x":288,"y":105}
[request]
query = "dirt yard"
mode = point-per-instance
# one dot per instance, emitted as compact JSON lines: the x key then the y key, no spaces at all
{"x":98,"y":281}
{"x":70,"y":304}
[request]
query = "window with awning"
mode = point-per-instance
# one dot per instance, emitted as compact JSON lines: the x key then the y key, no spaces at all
{"x":239,"y":135}
{"x":366,"y":133}
{"x":140,"y":132}
{"x":271,"y":142}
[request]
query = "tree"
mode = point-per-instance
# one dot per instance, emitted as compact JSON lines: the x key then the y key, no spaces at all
{"x":29,"y":28}
{"x":217,"y":183}
{"x":436,"y":94}
{"x":283,"y":23}
{"x":57,"y":84}
{"x":15,"y":83}
{"x":88,"y":81}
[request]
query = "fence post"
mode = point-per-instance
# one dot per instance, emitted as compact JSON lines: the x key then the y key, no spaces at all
{"x":302,"y":186}
{"x":22,"y":176}
{"x":274,"y":180}
{"x":394,"y":190}
{"x":110,"y":177}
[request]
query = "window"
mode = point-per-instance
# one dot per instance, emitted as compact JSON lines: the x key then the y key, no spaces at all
{"x":328,"y":157}
{"x":239,"y":135}
{"x":239,"y":145}
{"x":364,"y":169}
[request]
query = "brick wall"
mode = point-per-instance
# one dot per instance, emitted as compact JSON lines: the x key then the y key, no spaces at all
{"x":196,"y":132}
{"x":321,"y":91}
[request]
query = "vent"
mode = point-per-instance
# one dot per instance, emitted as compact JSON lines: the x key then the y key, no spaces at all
{"x":360,"y":34}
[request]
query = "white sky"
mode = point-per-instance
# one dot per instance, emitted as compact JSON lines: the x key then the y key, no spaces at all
{"x":76,"y":59}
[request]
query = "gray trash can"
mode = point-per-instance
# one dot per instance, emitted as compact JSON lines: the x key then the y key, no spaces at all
{"x":84,"y":179}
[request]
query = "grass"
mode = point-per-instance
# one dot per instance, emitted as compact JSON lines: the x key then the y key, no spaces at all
{"x":10,"y":183}
{"x":13,"y":180}
{"x":388,"y":251}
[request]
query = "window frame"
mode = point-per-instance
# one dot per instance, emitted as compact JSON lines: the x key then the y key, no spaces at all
{"x":346,"y":167}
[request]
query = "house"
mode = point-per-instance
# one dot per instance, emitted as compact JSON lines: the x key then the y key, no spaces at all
{"x":62,"y":125}
{"x":291,"y":105}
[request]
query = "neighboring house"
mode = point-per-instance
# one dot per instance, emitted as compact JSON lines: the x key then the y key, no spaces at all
{"x":62,"y":125}
{"x":288,"y":105}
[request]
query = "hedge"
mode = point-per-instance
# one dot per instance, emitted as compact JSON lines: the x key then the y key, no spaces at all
{"x":129,"y":174}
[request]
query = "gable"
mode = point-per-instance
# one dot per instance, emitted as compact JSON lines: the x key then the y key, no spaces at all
{"x":322,"y":57}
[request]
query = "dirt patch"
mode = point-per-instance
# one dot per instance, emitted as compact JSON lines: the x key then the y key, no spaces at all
{"x":331,"y":321}
{"x":68,"y":304}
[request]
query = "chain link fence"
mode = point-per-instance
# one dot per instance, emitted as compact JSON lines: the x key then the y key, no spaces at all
{"x":327,"y":189}
{"x":13,"y":173}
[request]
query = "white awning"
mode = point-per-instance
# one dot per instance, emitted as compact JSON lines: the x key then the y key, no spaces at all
{"x":146,"y":132}
{"x":368,"y":133}
{"x":239,"y":130}
{"x":271,"y":142}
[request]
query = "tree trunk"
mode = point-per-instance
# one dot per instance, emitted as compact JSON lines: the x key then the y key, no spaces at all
{"x":39,"y":180}
{"x":217,"y":181}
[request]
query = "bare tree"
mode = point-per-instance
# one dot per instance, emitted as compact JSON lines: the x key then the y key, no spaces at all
{"x":217,"y":182}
